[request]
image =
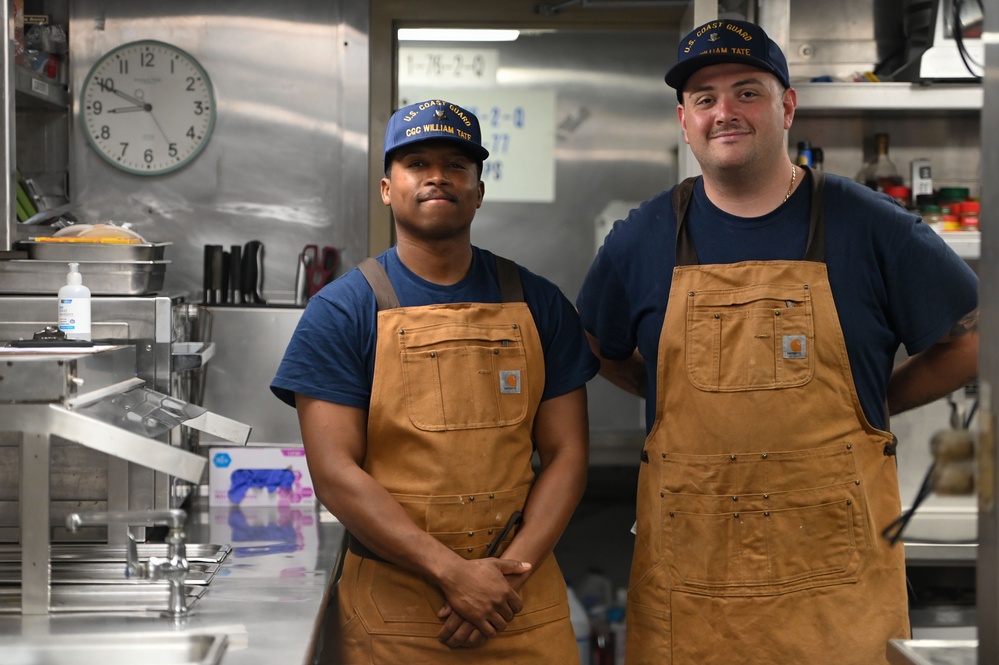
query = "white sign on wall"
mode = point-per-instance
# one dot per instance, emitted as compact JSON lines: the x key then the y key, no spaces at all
{"x":518,"y":130}
{"x":452,"y":67}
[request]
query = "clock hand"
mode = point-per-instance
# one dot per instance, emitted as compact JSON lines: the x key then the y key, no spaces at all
{"x":158,"y":126}
{"x":145,"y":106}
{"x":127,"y":109}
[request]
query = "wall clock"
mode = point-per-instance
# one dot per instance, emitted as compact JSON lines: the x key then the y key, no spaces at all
{"x":147,"y":107}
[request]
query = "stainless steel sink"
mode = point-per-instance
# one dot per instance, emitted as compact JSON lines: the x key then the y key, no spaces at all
{"x":117,"y":649}
{"x":102,"y":598}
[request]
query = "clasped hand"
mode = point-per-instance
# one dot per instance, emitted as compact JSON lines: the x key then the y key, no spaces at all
{"x":481,"y":599}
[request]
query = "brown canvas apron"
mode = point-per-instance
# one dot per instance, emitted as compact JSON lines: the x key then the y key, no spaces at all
{"x":763,"y":488}
{"x":453,"y":401}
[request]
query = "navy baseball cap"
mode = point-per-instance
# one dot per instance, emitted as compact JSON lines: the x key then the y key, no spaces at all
{"x":434,"y":119}
{"x":721,"y":41}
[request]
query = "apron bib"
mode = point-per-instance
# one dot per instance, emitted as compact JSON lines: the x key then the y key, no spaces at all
{"x":453,"y":401}
{"x":763,"y":488}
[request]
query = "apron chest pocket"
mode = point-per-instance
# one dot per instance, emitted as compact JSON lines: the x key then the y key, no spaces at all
{"x":464,"y":376}
{"x":753,"y":338}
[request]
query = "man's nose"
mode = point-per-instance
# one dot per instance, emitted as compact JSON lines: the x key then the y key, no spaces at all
{"x":436,"y":173}
{"x":726,"y":109}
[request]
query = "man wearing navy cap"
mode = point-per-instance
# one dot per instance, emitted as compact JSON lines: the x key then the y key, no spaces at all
{"x":759,"y":308}
{"x":424,"y":382}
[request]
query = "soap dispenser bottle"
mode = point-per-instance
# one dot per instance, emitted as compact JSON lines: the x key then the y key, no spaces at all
{"x":74,"y":306}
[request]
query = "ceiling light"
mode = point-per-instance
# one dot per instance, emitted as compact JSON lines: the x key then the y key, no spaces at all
{"x":456,"y":35}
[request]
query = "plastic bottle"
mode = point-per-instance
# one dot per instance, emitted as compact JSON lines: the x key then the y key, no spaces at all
{"x":615,"y":617}
{"x":581,"y":626}
{"x":74,"y":306}
{"x":601,"y":637}
{"x":595,"y":588}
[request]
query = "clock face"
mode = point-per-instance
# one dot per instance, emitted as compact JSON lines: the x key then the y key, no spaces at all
{"x":147,"y":107}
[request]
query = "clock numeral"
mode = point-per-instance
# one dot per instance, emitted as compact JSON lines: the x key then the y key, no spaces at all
{"x":147,"y":156}
{"x":105,"y":132}
{"x":97,"y":108}
{"x":190,"y":83}
{"x":199,"y":107}
{"x":172,"y":150}
{"x":124,"y":147}
{"x":146,"y":59}
{"x":106,"y":84}
{"x":190,"y":133}
{"x":122,"y":67}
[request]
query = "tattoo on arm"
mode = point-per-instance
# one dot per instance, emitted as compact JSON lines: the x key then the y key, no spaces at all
{"x":967,"y":324}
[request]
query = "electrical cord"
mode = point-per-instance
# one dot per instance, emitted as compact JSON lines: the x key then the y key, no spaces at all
{"x":962,"y":50}
{"x":893,"y":532}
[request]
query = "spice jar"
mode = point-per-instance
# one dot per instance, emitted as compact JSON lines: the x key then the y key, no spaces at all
{"x":932,"y":216}
{"x":969,"y":215}
{"x":951,"y":222}
{"x":900,"y":193}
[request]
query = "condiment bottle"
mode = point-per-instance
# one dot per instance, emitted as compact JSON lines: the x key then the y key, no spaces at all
{"x":880,"y":173}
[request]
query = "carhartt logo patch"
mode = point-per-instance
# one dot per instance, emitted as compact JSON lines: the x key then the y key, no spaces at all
{"x":794,"y":346}
{"x":509,"y":381}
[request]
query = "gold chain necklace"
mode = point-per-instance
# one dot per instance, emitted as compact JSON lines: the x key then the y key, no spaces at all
{"x":790,"y":188}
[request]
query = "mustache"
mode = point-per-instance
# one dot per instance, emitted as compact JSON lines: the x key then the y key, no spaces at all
{"x":730,"y":127}
{"x":437,"y":194}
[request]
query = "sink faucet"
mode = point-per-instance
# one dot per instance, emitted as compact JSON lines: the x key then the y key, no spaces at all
{"x":173,"y":568}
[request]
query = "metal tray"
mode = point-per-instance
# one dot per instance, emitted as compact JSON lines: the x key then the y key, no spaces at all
{"x":103,"y":278}
{"x":93,"y":251}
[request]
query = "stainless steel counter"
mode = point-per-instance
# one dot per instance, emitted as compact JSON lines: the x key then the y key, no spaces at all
{"x":933,"y":652}
{"x":268,"y":597}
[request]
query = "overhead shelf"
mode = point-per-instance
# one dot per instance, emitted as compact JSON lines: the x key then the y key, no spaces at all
{"x":864,"y":97}
{"x":34,"y":91}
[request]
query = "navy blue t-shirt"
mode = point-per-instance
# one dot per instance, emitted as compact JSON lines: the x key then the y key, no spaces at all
{"x":894,"y":280}
{"x":331,"y":356}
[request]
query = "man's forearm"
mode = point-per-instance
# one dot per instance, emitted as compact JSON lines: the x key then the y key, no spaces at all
{"x":937,"y":371}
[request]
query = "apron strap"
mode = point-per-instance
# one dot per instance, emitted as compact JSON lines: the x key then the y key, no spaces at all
{"x":508,"y":275}
{"x":374,"y":272}
{"x":686,"y":255}
{"x":815,"y":248}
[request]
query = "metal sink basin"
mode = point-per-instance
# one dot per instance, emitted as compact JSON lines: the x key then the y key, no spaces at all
{"x":117,"y":649}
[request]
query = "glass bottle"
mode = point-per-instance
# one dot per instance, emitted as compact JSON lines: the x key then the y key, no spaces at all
{"x":804,"y":157}
{"x":880,"y":172}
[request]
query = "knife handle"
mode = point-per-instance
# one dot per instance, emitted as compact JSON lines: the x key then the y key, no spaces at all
{"x":236,"y":296}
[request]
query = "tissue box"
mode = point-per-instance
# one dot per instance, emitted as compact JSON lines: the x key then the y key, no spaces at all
{"x":252,"y":476}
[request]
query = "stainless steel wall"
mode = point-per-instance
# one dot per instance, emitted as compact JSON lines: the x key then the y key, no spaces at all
{"x":616,"y":136}
{"x":286,"y":164}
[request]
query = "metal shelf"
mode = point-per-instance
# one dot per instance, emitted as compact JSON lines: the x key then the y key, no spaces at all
{"x":866,"y":97}
{"x":967,"y":244}
{"x":35,"y":91}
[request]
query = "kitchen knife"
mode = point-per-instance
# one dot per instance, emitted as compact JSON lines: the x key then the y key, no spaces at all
{"x":235,"y":275}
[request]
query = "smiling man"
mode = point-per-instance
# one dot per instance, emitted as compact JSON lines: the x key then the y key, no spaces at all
{"x":759,"y":308}
{"x":425,"y":380}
